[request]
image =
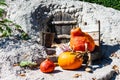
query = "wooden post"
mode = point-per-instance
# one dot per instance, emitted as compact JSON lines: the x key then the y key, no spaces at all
{"x":47,"y":39}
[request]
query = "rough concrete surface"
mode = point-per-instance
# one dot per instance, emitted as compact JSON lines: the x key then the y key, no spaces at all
{"x":32,"y":15}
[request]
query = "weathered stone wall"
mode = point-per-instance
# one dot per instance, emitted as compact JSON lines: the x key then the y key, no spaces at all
{"x":33,"y":15}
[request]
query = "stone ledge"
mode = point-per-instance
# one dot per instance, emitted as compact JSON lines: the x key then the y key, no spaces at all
{"x":104,"y":73}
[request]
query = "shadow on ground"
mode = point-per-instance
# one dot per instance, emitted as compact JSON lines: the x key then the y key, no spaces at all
{"x":107,"y":50}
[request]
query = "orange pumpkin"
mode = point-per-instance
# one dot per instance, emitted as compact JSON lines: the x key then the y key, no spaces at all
{"x":78,"y":40}
{"x":69,"y":60}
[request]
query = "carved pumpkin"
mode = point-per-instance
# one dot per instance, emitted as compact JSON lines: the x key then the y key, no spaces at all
{"x":78,"y":40}
{"x":70,"y":60}
{"x":47,"y":66}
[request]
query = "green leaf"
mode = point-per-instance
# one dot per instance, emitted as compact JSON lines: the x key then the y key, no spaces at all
{"x":107,"y":3}
{"x":1,"y":12}
{"x":32,"y":64}
{"x":4,"y":21}
{"x":5,"y":24}
{"x":7,"y":21}
{"x":24,"y":63}
{"x":25,"y":36}
{"x":8,"y":29}
{"x":1,"y":30}
{"x":27,"y":63}
{"x":2,"y":3}
{"x":5,"y":33}
{"x":2,"y":24}
{"x":17,"y":26}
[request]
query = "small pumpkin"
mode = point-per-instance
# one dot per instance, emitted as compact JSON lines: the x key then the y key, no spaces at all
{"x":78,"y":40}
{"x":47,"y":66}
{"x":70,"y":60}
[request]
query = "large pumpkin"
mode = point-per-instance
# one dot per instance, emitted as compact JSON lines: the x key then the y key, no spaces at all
{"x":70,"y":60}
{"x":78,"y":39}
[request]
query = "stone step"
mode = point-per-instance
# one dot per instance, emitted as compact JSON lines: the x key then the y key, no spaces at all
{"x":51,"y":54}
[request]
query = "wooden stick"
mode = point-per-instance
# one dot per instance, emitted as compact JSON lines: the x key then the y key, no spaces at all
{"x":89,"y":61}
{"x":64,"y":36}
{"x":64,"y":22}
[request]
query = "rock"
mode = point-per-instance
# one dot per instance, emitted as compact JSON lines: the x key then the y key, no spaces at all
{"x":33,"y":15}
{"x":63,"y":10}
{"x":56,"y":6}
{"x":67,"y":10}
{"x":13,"y":51}
{"x":72,"y":10}
{"x":70,"y":5}
{"x":63,"y":7}
{"x":16,"y":51}
{"x":77,"y":14}
{"x":100,"y":72}
{"x":57,"y":10}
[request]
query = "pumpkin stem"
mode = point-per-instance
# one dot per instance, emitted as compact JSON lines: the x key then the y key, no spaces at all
{"x":86,"y":47}
{"x":89,"y":55}
{"x":47,"y":58}
{"x":72,"y":48}
{"x":80,"y":55}
{"x":74,"y":27}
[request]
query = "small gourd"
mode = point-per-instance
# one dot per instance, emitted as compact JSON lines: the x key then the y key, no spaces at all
{"x":47,"y":66}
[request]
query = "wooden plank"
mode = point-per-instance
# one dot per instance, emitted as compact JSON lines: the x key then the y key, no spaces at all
{"x":57,"y":28}
{"x":64,"y":22}
{"x":95,"y":36}
{"x":66,"y":27}
{"x":64,"y":36}
{"x":48,"y":39}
